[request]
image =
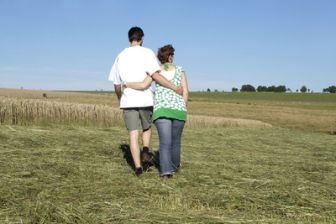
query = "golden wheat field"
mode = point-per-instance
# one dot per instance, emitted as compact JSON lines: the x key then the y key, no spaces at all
{"x":314,"y":112}
{"x":26,"y":107}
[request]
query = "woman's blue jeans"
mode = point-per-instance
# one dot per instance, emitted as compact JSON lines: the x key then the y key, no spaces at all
{"x":170,"y":132}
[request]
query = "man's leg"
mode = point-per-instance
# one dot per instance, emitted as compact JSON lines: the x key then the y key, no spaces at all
{"x":146,"y":137}
{"x":146,"y":121}
{"x":131,"y":117}
{"x":146,"y":156}
{"x":134,"y":145}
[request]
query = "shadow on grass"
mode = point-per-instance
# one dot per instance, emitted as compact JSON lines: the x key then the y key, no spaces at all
{"x":157,"y":160}
{"x":125,"y":148}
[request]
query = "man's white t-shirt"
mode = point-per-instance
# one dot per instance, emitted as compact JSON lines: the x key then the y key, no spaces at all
{"x":132,"y":65}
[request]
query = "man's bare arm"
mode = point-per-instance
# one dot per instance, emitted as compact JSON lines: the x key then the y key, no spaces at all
{"x":165,"y":83}
{"x":117,"y":89}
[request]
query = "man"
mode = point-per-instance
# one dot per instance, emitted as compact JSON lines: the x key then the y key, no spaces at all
{"x":133,"y":64}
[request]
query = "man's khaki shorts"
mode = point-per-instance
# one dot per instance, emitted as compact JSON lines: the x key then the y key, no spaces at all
{"x":139,"y":118}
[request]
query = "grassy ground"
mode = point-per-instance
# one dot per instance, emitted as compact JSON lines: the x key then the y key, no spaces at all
{"x":311,"y":111}
{"x":233,"y":171}
{"x":64,"y":174}
{"x":273,"y":98}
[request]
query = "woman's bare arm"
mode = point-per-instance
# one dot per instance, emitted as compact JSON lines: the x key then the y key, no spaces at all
{"x":184,"y":84}
{"x":158,"y":78}
{"x":140,"y":85}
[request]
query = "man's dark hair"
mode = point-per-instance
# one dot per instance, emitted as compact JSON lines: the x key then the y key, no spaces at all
{"x":135,"y":34}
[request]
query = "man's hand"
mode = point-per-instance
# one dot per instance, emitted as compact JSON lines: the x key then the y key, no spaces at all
{"x":179,"y":90}
{"x":117,"y":89}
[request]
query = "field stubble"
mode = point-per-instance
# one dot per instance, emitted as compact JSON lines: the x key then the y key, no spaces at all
{"x":233,"y":175}
{"x":244,"y":160}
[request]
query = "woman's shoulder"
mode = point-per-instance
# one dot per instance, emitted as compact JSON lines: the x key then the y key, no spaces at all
{"x":179,"y":68}
{"x":168,"y":68}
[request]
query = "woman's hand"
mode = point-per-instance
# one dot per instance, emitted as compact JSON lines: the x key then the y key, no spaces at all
{"x":179,"y":90}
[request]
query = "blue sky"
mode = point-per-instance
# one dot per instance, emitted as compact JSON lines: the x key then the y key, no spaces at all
{"x":71,"y":45}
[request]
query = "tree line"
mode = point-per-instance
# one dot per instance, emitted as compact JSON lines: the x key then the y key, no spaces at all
{"x":278,"y":89}
{"x":330,"y":89}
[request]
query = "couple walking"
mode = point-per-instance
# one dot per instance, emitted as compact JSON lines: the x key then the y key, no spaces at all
{"x":132,"y":74}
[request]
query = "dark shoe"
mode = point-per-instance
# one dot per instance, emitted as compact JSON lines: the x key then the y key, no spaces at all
{"x":146,"y":166}
{"x":138,"y":171}
{"x":145,"y":156}
{"x":147,"y":159}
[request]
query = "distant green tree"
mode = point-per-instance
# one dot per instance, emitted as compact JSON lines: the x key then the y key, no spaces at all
{"x":271,"y":88}
{"x":330,"y":89}
{"x":303,"y":89}
{"x":280,"y":89}
{"x":208,"y":90}
{"x":247,"y":88}
{"x":234,"y":89}
{"x":262,"y":89}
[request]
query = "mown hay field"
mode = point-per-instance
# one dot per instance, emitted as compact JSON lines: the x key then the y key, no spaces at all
{"x":268,"y":158}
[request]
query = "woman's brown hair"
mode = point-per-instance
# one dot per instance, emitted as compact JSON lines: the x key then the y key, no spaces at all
{"x":164,"y":53}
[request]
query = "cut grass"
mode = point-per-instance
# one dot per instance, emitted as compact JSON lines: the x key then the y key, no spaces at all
{"x":272,"y":98}
{"x":230,"y":174}
{"x":319,"y":120}
{"x":62,"y":174}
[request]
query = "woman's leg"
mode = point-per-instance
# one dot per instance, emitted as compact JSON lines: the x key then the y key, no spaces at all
{"x":164,"y":128}
{"x":177,"y":129}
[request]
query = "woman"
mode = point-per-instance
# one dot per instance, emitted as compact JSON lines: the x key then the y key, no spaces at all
{"x":170,"y":111}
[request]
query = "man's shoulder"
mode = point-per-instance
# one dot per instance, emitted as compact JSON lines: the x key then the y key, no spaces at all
{"x":122,"y":52}
{"x":146,"y":50}
{"x":138,"y":54}
{"x":135,"y":50}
